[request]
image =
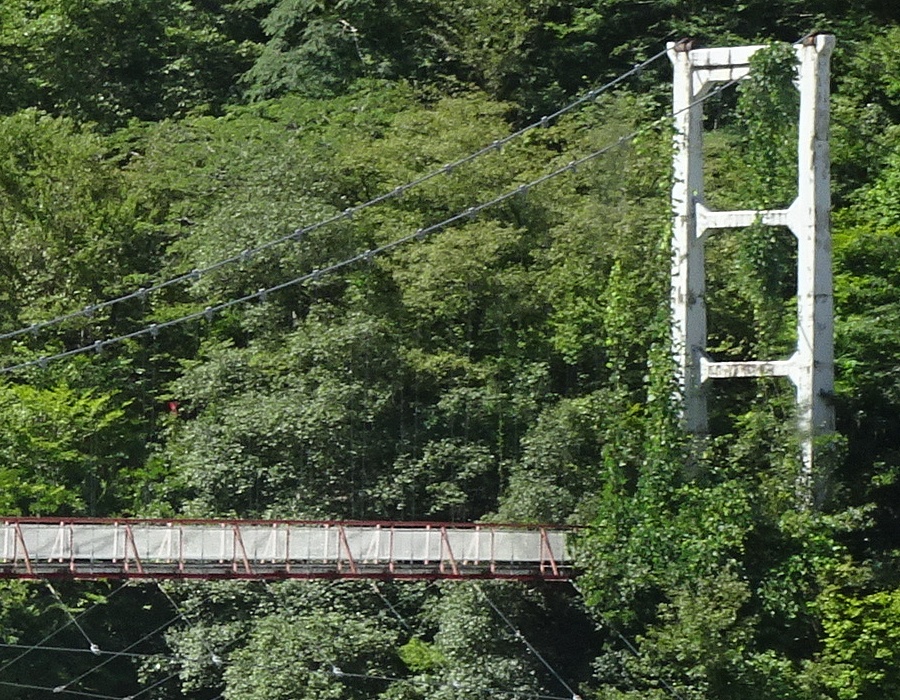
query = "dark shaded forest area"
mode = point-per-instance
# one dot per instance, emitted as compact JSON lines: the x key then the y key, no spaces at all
{"x":162,"y":159}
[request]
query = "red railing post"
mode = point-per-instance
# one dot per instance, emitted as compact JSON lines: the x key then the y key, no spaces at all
{"x":180,"y":549}
{"x":71,"y":530}
{"x":287,"y":549}
{"x":129,"y":540}
{"x":391,"y":550}
{"x":545,"y":542}
{"x":239,"y":542}
{"x":445,"y":542}
{"x":20,"y":539}
{"x":493,"y":550}
{"x":350,"y":560}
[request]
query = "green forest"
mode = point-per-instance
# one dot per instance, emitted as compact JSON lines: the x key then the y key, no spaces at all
{"x":250,"y":268}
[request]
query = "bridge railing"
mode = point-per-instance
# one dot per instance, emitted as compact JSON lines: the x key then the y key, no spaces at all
{"x":92,"y":548}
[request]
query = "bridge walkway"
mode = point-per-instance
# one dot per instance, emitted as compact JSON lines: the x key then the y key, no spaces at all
{"x":80,"y":548}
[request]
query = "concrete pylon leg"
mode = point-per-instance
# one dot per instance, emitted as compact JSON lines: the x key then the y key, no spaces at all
{"x":688,"y":262}
{"x":811,"y":366}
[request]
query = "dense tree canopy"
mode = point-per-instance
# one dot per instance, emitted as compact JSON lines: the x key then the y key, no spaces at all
{"x":510,"y":365}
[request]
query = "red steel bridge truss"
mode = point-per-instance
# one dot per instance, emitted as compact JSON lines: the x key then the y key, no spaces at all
{"x":81,"y":548}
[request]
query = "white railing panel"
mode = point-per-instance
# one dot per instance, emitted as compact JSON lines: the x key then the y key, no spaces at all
{"x":40,"y":540}
{"x":221,"y":548}
{"x":315,"y":544}
{"x":206,"y":543}
{"x":515,"y":546}
{"x":92,"y":542}
{"x":262,"y":543}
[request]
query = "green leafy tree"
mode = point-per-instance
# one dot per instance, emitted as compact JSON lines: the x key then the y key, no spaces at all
{"x":858,"y":658}
{"x":106,"y":62}
{"x":57,"y":450}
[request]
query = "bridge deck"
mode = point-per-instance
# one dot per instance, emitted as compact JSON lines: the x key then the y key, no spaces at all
{"x":208,"y":549}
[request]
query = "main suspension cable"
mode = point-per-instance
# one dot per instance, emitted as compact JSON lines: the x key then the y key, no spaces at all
{"x":366,"y":256}
{"x":245,"y":255}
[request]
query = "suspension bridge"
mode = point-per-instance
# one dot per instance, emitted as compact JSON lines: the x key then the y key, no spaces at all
{"x":147,"y":549}
{"x":242,"y":549}
{"x":83,"y":549}
{"x":283,"y":549}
